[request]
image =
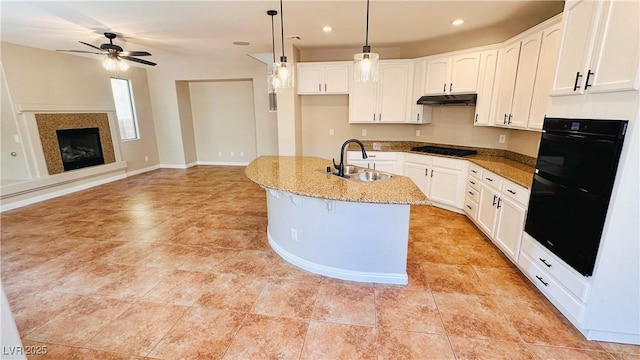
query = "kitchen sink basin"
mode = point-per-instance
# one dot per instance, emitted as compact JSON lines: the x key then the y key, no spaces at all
{"x":369,"y":176}
{"x":350,"y":170}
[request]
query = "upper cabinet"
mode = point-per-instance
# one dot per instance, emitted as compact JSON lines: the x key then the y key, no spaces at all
{"x":599,"y":51}
{"x":452,"y":74}
{"x":324,"y":78}
{"x":486,"y":78}
{"x":518,"y":70}
{"x":389,"y":100}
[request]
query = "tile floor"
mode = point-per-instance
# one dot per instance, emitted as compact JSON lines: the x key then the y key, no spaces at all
{"x":175,"y":264}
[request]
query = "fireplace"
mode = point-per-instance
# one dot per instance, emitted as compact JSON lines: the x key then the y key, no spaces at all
{"x":80,"y":148}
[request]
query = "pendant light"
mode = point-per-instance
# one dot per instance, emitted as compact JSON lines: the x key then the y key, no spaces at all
{"x":273,"y":99}
{"x":365,"y":64}
{"x":282,"y":71}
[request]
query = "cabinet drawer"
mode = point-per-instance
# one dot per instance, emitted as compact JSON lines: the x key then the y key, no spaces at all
{"x":492,"y":180}
{"x":475,"y":170}
{"x":470,"y":207}
{"x":447,"y":163}
{"x":474,"y":183}
{"x":473,"y":194}
{"x":551,"y":288}
{"x":418,"y":159}
{"x":574,"y":282}
{"x":372,"y":155}
{"x":515,"y":192}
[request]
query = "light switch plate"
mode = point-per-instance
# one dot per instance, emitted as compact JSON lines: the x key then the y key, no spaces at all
{"x":364,"y":132}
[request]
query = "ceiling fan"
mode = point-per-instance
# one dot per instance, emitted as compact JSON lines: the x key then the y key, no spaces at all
{"x":114,"y":54}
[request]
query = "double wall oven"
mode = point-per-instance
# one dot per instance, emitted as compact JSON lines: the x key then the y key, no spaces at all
{"x":572,"y":184}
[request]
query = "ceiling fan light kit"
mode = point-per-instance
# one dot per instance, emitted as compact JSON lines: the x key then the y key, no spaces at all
{"x":282,"y":71}
{"x":115,"y":54}
{"x":365,"y":64}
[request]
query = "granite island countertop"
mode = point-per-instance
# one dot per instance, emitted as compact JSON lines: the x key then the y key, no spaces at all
{"x":305,"y":176}
{"x":509,"y":165}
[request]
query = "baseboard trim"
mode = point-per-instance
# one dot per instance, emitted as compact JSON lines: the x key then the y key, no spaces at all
{"x":224,"y":163}
{"x":142,"y":171}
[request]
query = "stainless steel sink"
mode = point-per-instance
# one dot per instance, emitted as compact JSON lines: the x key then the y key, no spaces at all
{"x":350,"y":169}
{"x":369,"y":176}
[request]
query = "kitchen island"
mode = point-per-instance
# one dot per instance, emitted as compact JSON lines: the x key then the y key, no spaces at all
{"x":341,"y":228}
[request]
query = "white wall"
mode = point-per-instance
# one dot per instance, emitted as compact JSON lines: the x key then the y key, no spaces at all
{"x":171,"y":68}
{"x":12,"y":168}
{"x":224,"y":120}
{"x":451,"y":125}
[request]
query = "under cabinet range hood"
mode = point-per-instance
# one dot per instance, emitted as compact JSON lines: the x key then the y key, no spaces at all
{"x":460,"y":99}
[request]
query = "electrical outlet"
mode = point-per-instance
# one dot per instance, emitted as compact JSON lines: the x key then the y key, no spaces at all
{"x":502,"y":139}
{"x":232,"y":154}
{"x":219,"y":153}
{"x":377,"y":146}
{"x":241,"y":153}
{"x":364,"y":132}
{"x":417,"y":132}
{"x":331,"y":132}
{"x":16,"y":138}
{"x":294,"y":234}
{"x":146,"y":158}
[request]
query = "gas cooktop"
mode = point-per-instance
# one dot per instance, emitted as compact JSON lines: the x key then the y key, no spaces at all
{"x":444,"y":150}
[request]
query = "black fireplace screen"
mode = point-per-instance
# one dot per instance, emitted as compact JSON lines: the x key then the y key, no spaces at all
{"x":80,"y":148}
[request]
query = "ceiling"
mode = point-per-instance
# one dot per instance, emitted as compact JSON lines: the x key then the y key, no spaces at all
{"x":209,"y":28}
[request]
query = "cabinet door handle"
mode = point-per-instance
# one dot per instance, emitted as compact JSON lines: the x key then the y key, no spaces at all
{"x":499,"y":203}
{"x":325,"y":87}
{"x":418,"y":117}
{"x":472,"y":182}
{"x":319,"y":87}
{"x":426,"y":172}
{"x":575,"y":85}
{"x":476,"y":117}
{"x":511,"y":191}
{"x":470,"y":193}
{"x":372,"y":156}
{"x":586,"y":82}
{"x":490,"y":179}
{"x":509,"y":121}
{"x":494,"y":200}
{"x":444,"y":88}
{"x":380,"y":117}
{"x":469,"y":207}
{"x":431,"y":172}
{"x":544,"y":261}
{"x":450,"y":86}
{"x":504,"y":121}
{"x":542,"y":281}
{"x":473,"y":171}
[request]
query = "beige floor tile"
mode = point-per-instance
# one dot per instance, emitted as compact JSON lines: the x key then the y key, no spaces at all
{"x":346,"y":303}
{"x":410,"y":310}
{"x":560,"y":353}
{"x":232,"y":292}
{"x":265,"y":337}
{"x":134,"y":283}
{"x":339,"y":341}
{"x":138,"y":330}
{"x":469,"y":348}
{"x":200,"y":334}
{"x":33,"y":307}
{"x":451,"y":278}
{"x":287,"y":298}
{"x":180,"y":287}
{"x":45,"y":351}
{"x":405,"y":345}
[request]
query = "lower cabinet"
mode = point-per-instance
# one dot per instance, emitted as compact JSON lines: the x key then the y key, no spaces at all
{"x":441,"y":179}
{"x":378,"y":160}
{"x":501,"y":212}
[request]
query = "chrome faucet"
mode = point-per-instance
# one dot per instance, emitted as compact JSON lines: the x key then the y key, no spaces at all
{"x":340,"y":167}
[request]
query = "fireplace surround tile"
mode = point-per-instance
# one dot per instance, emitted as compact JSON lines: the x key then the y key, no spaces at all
{"x":49,"y":123}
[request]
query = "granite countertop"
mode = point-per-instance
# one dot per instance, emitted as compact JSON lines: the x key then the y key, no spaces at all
{"x":510,"y":165}
{"x":305,"y":176}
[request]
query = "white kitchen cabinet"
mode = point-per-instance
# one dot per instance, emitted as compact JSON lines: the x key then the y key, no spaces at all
{"x":544,"y":76}
{"x":472,"y":196}
{"x":440,"y":179}
{"x":517,"y":80}
{"x":486,"y":78}
{"x":501,"y":212}
{"x":599,"y":50}
{"x":324,"y":78}
{"x":421,"y":114}
{"x":378,"y":160}
{"x":452,"y":74}
{"x":386,"y":101}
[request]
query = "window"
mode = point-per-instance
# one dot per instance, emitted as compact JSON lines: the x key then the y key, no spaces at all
{"x":125,"y":112}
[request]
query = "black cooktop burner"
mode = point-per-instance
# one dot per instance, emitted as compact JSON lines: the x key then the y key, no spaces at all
{"x":444,"y":151}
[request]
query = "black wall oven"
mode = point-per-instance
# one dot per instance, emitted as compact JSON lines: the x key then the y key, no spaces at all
{"x":572,"y":185}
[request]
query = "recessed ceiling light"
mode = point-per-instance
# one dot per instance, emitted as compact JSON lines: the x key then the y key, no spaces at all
{"x":327,"y":28}
{"x":457,"y":22}
{"x":240,"y":43}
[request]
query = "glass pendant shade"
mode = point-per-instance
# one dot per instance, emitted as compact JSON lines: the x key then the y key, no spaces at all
{"x":271,"y":91}
{"x":109,"y":63}
{"x":122,"y":65}
{"x":365,"y":66}
{"x":283,"y":74}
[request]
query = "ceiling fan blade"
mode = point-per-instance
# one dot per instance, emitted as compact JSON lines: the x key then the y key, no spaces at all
{"x":138,"y":60}
{"x":135,"y":53}
{"x":82,"y":51}
{"x":95,"y":47}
